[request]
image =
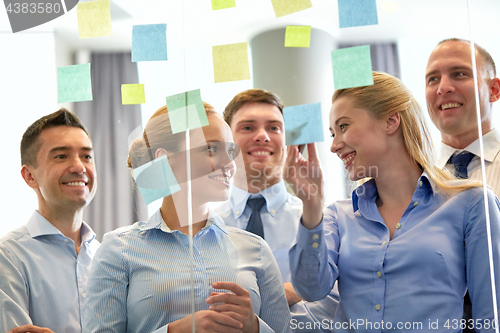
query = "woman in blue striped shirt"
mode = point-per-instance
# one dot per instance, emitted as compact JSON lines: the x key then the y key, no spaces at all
{"x":141,"y":276}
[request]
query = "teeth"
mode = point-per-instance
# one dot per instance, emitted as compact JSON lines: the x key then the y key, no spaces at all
{"x":260,"y":153}
{"x":348,"y":159}
{"x":76,"y":184}
{"x":449,"y":106}
{"x":221,"y":179}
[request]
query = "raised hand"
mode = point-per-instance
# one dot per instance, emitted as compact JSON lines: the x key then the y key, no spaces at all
{"x":30,"y":329}
{"x":306,"y":179}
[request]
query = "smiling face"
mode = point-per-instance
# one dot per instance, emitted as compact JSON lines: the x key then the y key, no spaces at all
{"x":64,"y":178}
{"x":450,"y":93}
{"x":259,"y":132}
{"x":212,"y":167}
{"x":359,"y":139}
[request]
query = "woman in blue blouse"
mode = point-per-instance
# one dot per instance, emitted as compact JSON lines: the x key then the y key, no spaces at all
{"x":141,"y":276}
{"x":411,"y":240}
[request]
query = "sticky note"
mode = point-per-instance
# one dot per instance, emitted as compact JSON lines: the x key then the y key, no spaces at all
{"x":352,"y":67}
{"x":297,"y":36}
{"x":149,"y":42}
{"x":355,"y":13}
{"x":186,"y":110}
{"x":223,"y":4}
{"x":74,"y":84}
{"x":231,"y":62}
{"x":94,"y":19}
{"x":303,"y":124}
{"x":156,"y":179}
{"x":133,"y":94}
{"x":286,"y":7}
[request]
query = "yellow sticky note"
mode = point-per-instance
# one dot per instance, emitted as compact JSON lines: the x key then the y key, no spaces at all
{"x":287,"y":7}
{"x":298,"y":36}
{"x":231,"y":62}
{"x":94,"y":19}
{"x":223,"y":4}
{"x":133,"y":94}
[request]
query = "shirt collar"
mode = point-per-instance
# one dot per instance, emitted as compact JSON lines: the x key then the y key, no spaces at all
{"x":368,"y":191}
{"x":156,"y":222}
{"x":491,"y":142}
{"x":39,"y":226}
{"x":275,"y":196}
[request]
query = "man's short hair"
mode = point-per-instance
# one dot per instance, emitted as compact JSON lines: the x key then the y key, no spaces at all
{"x":30,"y":144}
{"x":485,"y":56}
{"x":251,"y":96}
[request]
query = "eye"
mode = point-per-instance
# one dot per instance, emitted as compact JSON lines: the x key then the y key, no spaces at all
{"x":230,"y":153}
{"x":246,"y":128}
{"x":343,"y":126}
{"x":275,"y":129}
{"x":60,"y":156}
{"x":431,"y":79}
{"x":87,"y":157}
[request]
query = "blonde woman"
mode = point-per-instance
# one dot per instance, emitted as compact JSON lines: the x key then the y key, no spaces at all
{"x":140,"y":280}
{"x":411,"y":240}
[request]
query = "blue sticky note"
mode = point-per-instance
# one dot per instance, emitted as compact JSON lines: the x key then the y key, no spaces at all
{"x":355,"y":13}
{"x":156,"y":179}
{"x":74,"y":84}
{"x":149,"y":42}
{"x":303,"y":124}
{"x":352,"y":67}
{"x":186,"y":110}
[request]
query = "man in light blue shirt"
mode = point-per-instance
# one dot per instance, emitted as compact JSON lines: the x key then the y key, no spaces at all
{"x":256,"y":120}
{"x":45,"y":264}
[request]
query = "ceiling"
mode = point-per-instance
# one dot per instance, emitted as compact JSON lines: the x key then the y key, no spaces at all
{"x":193,"y":23}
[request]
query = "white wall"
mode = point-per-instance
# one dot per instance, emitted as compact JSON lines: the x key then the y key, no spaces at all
{"x":28,"y":91}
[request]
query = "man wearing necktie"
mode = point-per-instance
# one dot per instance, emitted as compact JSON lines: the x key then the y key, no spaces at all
{"x":452,"y":107}
{"x":259,"y":200}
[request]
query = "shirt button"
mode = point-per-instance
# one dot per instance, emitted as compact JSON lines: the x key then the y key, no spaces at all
{"x":315,"y":245}
{"x":415,"y":203}
{"x":238,"y":213}
{"x":384,"y":243}
{"x":272,"y":211}
{"x":398,"y":226}
{"x":379,"y":274}
{"x":84,"y":294}
{"x":377,"y":307}
{"x":420,"y":183}
{"x":315,"y":236}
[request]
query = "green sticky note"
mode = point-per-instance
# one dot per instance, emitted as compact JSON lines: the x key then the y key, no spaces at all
{"x":74,"y":84}
{"x":352,"y":67}
{"x":223,"y":4}
{"x":156,"y":179}
{"x":287,"y":7}
{"x":133,"y":94}
{"x":186,"y":110}
{"x":231,"y":62}
{"x":297,"y":36}
{"x":94,"y":19}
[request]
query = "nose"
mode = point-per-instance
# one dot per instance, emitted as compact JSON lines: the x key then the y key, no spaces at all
{"x":445,"y":85}
{"x":261,"y":136}
{"x":337,"y":145}
{"x":77,"y":166}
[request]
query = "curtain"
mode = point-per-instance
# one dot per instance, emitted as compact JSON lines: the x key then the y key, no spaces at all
{"x":117,"y":201}
{"x":385,"y":58}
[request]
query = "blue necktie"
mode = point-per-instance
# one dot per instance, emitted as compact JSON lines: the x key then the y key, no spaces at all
{"x":461,"y":161}
{"x":255,"y":221}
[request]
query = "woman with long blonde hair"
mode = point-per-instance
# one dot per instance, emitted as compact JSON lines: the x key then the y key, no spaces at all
{"x":411,"y":240}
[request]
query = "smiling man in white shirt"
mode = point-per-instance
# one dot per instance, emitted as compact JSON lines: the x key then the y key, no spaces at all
{"x":45,"y":264}
{"x":451,"y":103}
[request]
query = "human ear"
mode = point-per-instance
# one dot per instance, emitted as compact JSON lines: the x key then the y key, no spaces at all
{"x":28,"y":176}
{"x":392,"y":123}
{"x":160,"y":152}
{"x":494,"y":90}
